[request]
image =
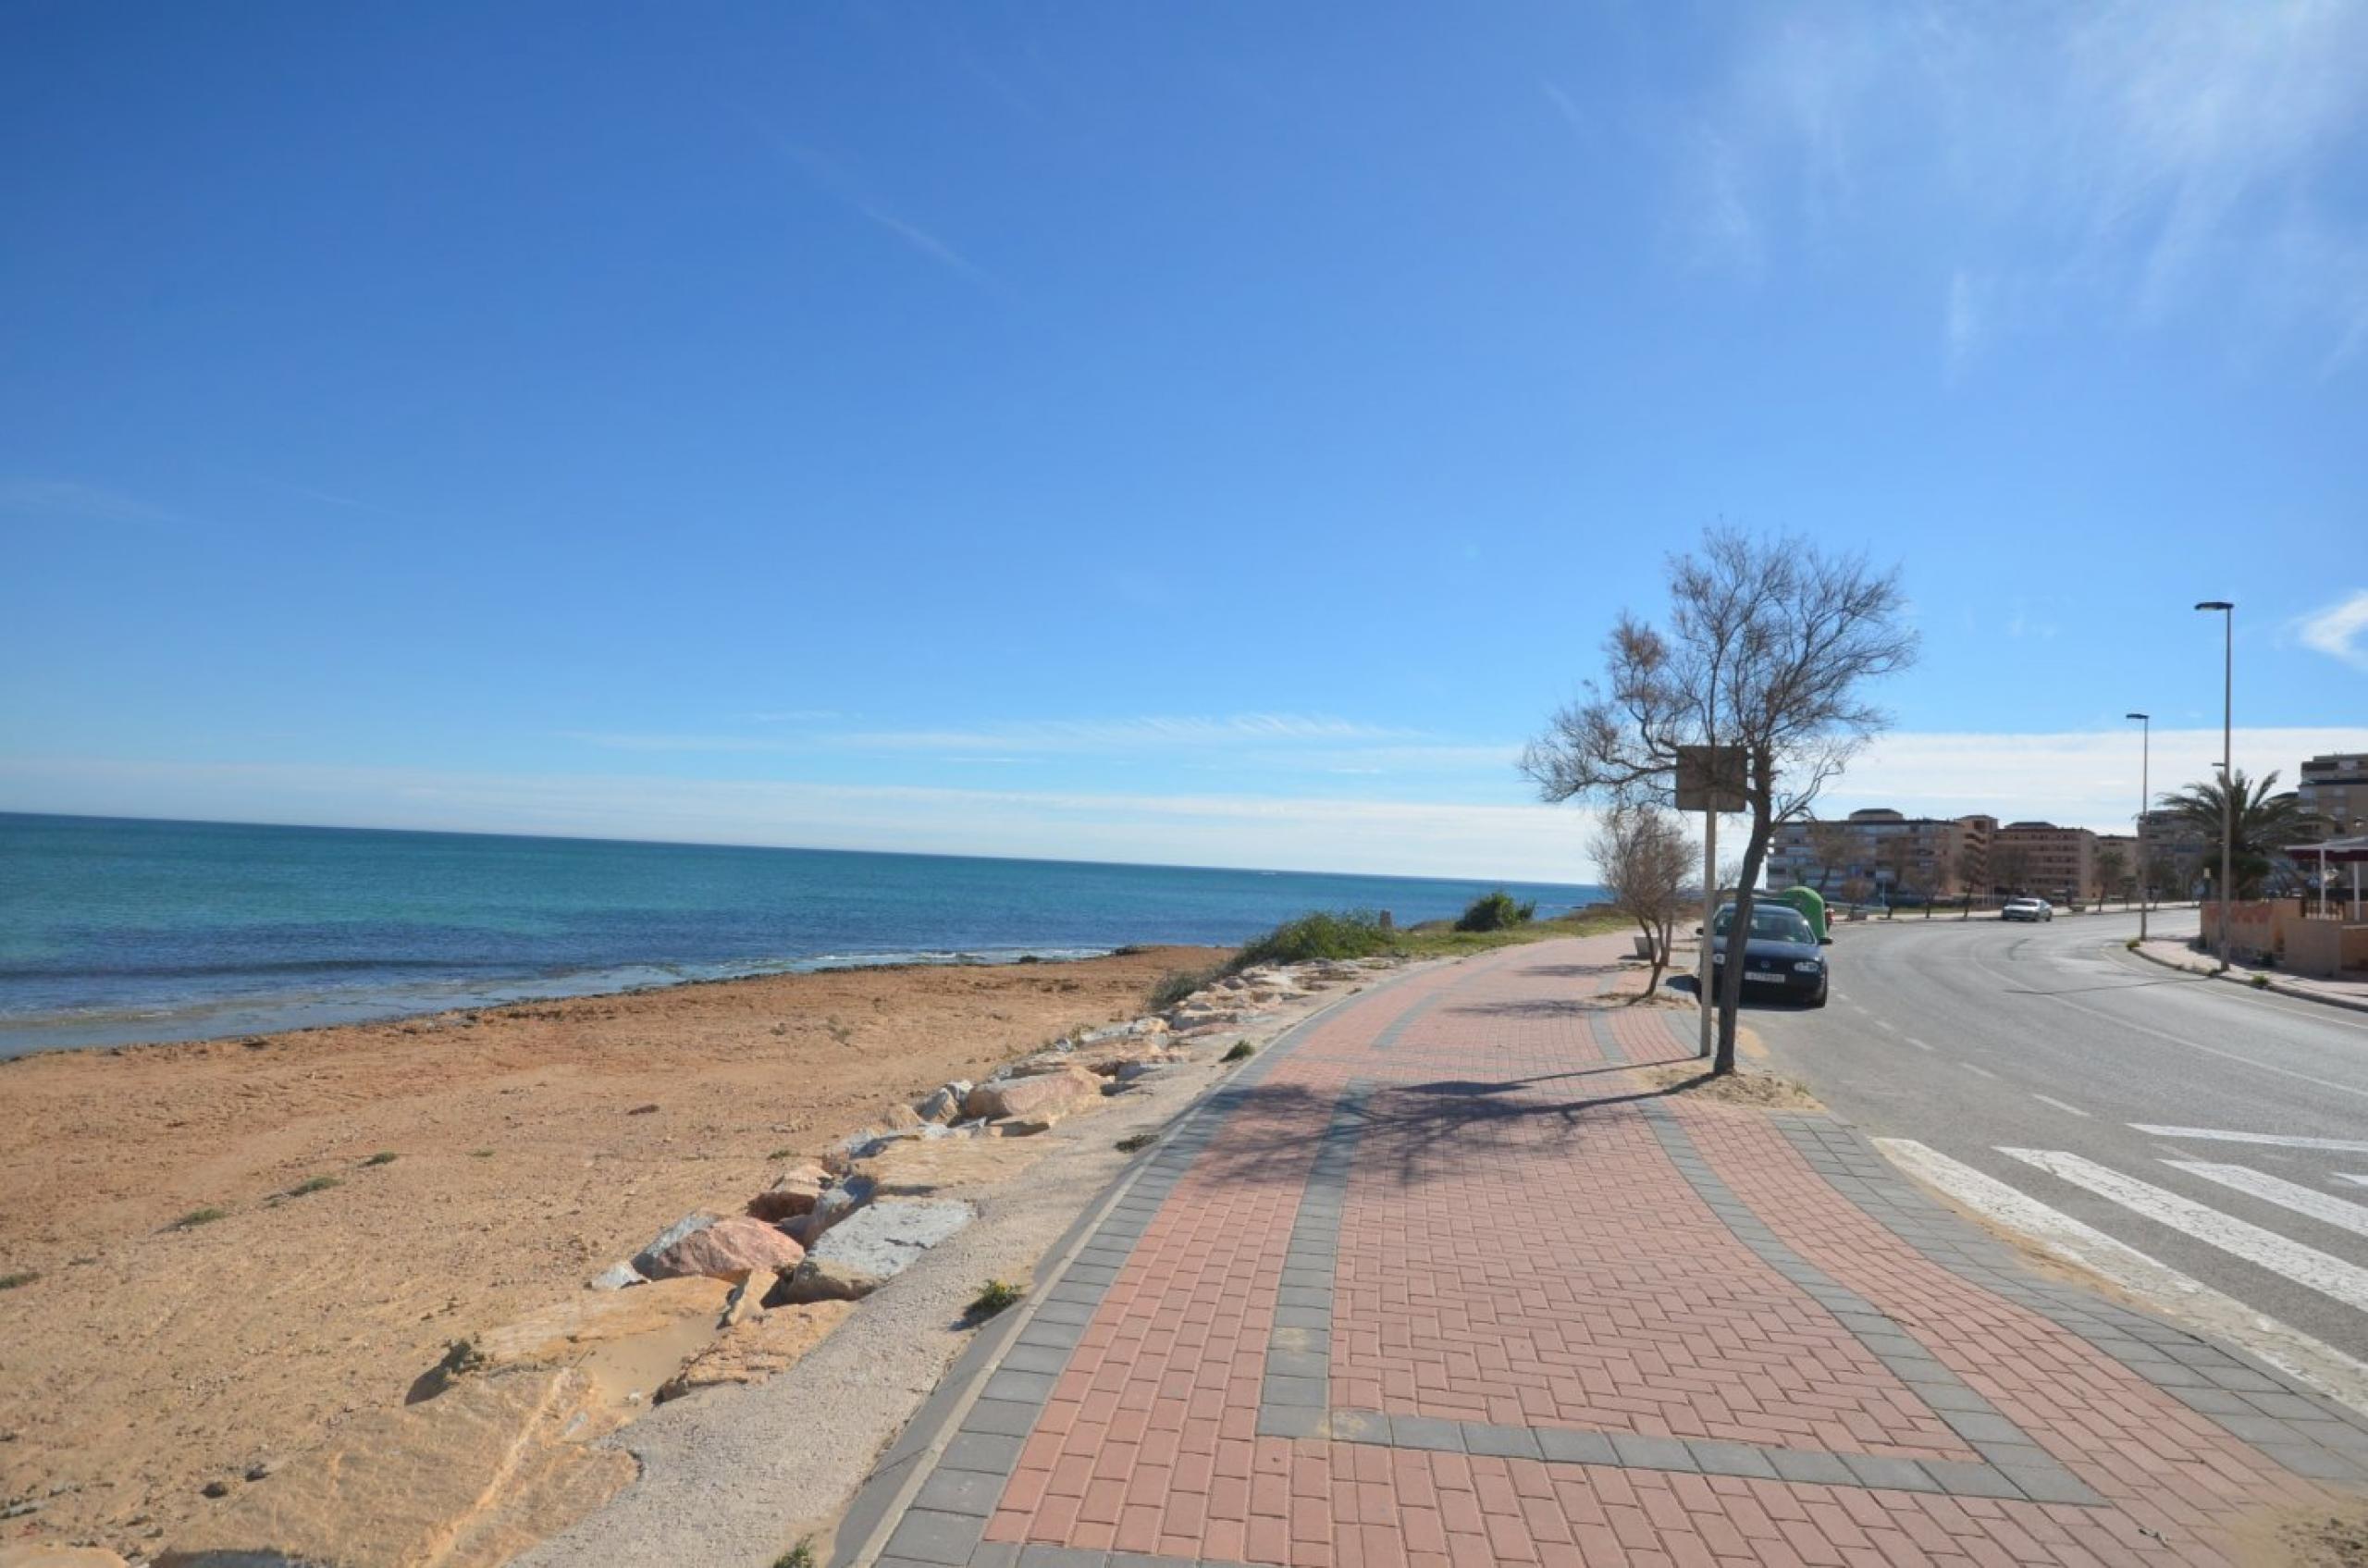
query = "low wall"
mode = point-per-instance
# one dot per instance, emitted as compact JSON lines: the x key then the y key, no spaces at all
{"x":2256,"y":927}
{"x":2324,"y":950}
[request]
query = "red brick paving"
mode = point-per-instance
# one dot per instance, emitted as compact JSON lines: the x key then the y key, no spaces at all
{"x":1517,"y":1248}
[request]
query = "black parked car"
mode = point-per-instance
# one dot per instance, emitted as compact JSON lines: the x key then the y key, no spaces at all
{"x":1780,"y":958}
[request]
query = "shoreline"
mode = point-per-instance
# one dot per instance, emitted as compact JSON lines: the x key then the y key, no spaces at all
{"x":115,"y":1029}
{"x":197,"y":1299}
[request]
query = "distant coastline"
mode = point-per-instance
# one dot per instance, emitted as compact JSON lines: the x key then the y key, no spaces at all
{"x":129,"y":931}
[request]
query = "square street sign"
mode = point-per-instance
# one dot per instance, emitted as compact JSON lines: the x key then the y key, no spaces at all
{"x":1710,"y":778}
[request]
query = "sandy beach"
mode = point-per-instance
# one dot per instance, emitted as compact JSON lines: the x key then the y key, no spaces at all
{"x":150,"y":1356}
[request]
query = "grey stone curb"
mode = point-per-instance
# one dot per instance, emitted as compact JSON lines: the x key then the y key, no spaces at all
{"x":2252,"y":1401}
{"x":2277,"y":987}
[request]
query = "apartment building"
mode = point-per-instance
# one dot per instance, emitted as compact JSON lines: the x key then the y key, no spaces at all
{"x":2336,"y":786}
{"x":2121,"y":849}
{"x":2042,"y":859}
{"x":2178,"y":851}
{"x":1883,"y":855}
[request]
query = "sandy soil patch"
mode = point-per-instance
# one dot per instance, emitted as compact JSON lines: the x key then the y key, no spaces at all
{"x":533,"y":1145}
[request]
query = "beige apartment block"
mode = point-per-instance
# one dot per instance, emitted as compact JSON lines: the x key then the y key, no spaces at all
{"x":1882,"y":854}
{"x":2334,"y":786}
{"x":2041,"y":858}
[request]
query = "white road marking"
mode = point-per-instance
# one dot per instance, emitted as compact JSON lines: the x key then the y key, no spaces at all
{"x":2337,"y":1212}
{"x":2355,"y":1181}
{"x":1885,"y":1023}
{"x":2306,"y":1267}
{"x":1984,"y":1071}
{"x":2321,"y":1365}
{"x":2051,"y":1100}
{"x":1918,"y":1043}
{"x":2277,"y":1140}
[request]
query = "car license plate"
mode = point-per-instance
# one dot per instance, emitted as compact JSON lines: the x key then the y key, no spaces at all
{"x":1763,"y":977}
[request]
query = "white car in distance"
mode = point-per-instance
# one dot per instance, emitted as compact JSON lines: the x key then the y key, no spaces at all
{"x":2026,"y":910}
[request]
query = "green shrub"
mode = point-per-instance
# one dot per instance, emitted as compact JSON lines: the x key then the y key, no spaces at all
{"x":1496,"y":911}
{"x":1243,"y":1051}
{"x":196,"y":1217}
{"x":1136,"y":1141}
{"x":2261,"y":982}
{"x":800,"y":1556}
{"x":314,"y":1184}
{"x":1321,"y":934}
{"x":382,"y":1157}
{"x":998,"y":1296}
{"x":1175,"y":985}
{"x":22,"y":1276}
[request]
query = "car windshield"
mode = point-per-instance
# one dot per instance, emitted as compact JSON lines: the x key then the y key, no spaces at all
{"x":1777,"y":924}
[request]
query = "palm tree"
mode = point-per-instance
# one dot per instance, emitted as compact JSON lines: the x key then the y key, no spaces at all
{"x":2265,"y":825}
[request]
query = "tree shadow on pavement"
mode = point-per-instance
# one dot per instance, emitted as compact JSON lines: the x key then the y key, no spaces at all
{"x":1420,"y":1131}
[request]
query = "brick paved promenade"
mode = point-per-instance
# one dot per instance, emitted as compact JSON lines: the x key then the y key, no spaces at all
{"x":1445,"y":1277}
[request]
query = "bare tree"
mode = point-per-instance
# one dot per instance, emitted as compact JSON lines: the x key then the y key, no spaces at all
{"x":1832,"y":842}
{"x":1768,"y":648}
{"x":2009,"y":868}
{"x":2112,"y":875}
{"x":1644,"y":860}
{"x":1973,"y":864}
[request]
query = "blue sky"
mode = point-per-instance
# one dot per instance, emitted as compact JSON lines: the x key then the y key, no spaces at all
{"x":1212,"y":433}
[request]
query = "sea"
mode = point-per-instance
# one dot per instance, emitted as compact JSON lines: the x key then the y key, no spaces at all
{"x":116,"y":930}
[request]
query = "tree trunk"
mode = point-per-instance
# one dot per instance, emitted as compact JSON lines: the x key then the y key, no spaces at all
{"x":1754,"y":857}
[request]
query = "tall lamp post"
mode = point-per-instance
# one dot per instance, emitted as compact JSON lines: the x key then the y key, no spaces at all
{"x":2227,"y":609}
{"x":2145,"y":760}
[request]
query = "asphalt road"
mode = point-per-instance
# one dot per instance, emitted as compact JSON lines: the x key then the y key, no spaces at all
{"x":1977,"y":1038}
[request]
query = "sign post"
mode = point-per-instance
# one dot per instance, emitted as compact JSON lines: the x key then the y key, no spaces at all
{"x":1709,"y":780}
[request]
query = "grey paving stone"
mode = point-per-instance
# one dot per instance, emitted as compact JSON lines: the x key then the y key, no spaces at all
{"x":981,"y":1451}
{"x":1730,"y":1459}
{"x":1962,"y":1477}
{"x":1800,"y":1466}
{"x":1281,"y":1389}
{"x":1653,"y":1453}
{"x":1037,"y":1555}
{"x":1009,"y":1383}
{"x":929,"y":1536}
{"x":1299,"y":1364}
{"x":1036,"y":1358}
{"x":960,"y":1491}
{"x":1291,"y":1421}
{"x":995,"y":1554}
{"x":1503,"y":1442}
{"x":1430,"y":1432}
{"x":1982,"y":1426}
{"x":1002,"y":1418}
{"x":1898,"y":1475}
{"x":1360,"y":1427}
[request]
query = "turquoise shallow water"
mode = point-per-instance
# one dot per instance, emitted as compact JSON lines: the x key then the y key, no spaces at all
{"x":114,"y":931}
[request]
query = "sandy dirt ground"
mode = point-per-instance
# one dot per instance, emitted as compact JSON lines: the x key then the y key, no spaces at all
{"x":532,"y":1146}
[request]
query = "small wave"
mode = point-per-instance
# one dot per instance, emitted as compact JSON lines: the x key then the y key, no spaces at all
{"x":284,"y":967}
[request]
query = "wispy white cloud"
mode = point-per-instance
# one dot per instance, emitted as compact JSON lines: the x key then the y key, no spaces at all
{"x":71,"y":500}
{"x":2142,"y":160}
{"x":836,"y":178}
{"x":1512,"y":842}
{"x":1130,"y":733}
{"x":2078,"y":778}
{"x":2340,"y":631}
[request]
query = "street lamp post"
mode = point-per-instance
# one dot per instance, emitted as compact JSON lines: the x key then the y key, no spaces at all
{"x":2145,"y":757}
{"x":2227,"y":609}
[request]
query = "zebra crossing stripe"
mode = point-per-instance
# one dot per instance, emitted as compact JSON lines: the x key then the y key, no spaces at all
{"x":2321,"y":1365}
{"x":2338,"y":1212}
{"x":2306,"y":1267}
{"x":2276,"y":1139}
